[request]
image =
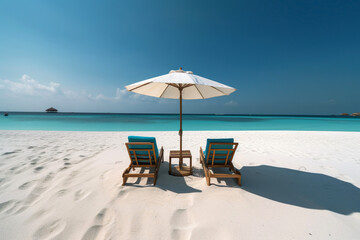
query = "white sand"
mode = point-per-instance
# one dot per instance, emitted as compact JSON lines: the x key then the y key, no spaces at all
{"x":67,"y":185}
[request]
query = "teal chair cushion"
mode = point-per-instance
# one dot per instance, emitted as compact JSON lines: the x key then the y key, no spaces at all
{"x":218,"y":159}
{"x":133,"y":139}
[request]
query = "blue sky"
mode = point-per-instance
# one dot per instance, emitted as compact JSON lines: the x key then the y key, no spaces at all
{"x":284,"y":57}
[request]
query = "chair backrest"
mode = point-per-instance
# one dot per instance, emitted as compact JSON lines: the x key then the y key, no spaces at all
{"x":142,"y":153}
{"x":220,"y":151}
{"x":142,"y":150}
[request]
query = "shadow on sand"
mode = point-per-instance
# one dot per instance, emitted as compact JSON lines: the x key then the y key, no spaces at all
{"x":303,"y":189}
{"x":166,"y":182}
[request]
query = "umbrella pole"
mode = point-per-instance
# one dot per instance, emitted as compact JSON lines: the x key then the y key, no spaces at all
{"x":180,"y":132}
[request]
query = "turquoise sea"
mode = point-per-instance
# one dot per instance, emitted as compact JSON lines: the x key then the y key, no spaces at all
{"x":170,"y":122}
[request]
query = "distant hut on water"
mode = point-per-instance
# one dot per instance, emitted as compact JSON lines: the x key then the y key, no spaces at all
{"x":51,"y":110}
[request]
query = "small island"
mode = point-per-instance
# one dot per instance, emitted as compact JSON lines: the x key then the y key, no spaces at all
{"x":351,"y":115}
{"x":51,"y":110}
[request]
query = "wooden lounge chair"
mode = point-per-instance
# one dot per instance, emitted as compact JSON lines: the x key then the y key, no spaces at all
{"x":143,"y":153}
{"x":219,"y":153}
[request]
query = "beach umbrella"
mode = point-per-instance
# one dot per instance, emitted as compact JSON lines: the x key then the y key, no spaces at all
{"x":180,"y":84}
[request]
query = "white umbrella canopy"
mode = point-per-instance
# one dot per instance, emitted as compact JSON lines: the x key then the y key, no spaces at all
{"x":180,"y":84}
{"x":167,"y":86}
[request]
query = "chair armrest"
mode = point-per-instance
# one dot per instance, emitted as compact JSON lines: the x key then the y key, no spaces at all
{"x":202,"y":157}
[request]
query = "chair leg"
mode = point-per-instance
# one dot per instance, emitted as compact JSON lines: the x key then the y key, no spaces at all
{"x":124,"y":174}
{"x":126,"y":171}
{"x":237,"y":173}
{"x":124,"y":180}
{"x":155,"y":178}
{"x":208,"y":180}
{"x":207,"y":175}
{"x":206,"y":171}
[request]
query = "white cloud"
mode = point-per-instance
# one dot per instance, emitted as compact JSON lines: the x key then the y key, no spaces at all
{"x":29,"y":86}
{"x":120,"y":93}
{"x":102,"y":97}
{"x":231,"y":103}
{"x":70,"y":94}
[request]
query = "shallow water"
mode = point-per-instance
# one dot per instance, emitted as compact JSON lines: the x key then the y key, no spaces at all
{"x":170,"y":122}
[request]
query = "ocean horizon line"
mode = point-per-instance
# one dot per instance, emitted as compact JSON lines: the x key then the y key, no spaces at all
{"x":200,"y":114}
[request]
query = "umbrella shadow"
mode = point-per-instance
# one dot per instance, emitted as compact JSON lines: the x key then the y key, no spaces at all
{"x":172,"y":183}
{"x":166,"y":182}
{"x":303,"y":189}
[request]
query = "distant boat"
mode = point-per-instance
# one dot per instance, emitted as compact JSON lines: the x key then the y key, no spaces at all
{"x":51,"y":110}
{"x":6,"y":114}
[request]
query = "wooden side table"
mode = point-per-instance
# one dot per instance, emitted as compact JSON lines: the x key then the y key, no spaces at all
{"x":180,"y":170}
